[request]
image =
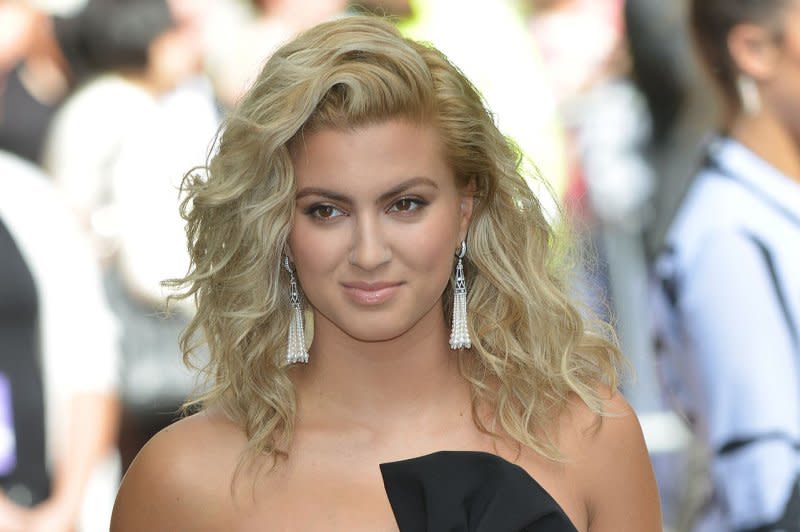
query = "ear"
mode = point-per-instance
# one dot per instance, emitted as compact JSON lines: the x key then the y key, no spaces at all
{"x":466,"y":209}
{"x":754,"y":51}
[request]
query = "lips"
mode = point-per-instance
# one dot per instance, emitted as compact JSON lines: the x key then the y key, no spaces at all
{"x":375,"y":293}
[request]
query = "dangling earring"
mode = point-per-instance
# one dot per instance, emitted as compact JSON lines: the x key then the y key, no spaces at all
{"x":459,"y":334}
{"x":748,"y":94}
{"x":296,"y":350}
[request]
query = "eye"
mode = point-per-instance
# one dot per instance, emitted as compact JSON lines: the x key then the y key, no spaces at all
{"x":323,"y":212}
{"x":404,"y":205}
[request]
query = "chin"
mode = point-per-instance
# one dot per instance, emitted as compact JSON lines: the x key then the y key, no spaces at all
{"x":377,"y":325}
{"x":365,"y":333}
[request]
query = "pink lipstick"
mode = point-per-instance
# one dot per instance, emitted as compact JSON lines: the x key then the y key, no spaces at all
{"x":374,"y":293}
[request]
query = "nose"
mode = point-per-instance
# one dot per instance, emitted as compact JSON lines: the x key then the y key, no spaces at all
{"x":370,"y":249}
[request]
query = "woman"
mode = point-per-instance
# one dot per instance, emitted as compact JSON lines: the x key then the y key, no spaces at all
{"x":354,"y":169}
{"x":732,"y":270}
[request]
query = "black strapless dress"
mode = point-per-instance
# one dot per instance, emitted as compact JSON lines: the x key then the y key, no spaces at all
{"x":467,"y":491}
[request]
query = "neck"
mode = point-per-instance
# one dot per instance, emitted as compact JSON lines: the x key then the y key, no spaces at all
{"x":768,"y":138}
{"x":381,"y":384}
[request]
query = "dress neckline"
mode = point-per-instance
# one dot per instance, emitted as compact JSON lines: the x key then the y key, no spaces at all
{"x":469,"y":491}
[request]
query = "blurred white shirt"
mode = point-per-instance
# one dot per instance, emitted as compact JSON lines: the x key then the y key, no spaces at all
{"x":119,"y":153}
{"x":730,"y":317}
{"x":78,"y":332}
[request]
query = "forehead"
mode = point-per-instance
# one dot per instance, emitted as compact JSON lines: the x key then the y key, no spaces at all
{"x":370,"y":158}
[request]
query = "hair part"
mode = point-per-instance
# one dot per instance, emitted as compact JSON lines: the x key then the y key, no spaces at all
{"x":532,"y":347}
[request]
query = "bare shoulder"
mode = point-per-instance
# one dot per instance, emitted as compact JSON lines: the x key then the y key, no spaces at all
{"x":616,"y":425}
{"x":612,"y":465}
{"x":181,"y":476}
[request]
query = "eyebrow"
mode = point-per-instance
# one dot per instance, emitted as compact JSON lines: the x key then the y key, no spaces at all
{"x":336,"y":196}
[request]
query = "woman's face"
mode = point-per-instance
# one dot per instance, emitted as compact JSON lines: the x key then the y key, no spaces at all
{"x":378,"y":219}
{"x":782,"y":91}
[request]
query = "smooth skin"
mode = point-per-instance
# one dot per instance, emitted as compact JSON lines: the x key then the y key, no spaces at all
{"x":379,"y":205}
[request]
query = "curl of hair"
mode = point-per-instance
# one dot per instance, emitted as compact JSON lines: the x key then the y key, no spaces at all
{"x":531,"y":347}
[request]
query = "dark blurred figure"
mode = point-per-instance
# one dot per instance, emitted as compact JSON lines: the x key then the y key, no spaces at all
{"x":728,"y":291}
{"x":680,"y":104}
{"x":34,"y":77}
{"x":660,"y":60}
{"x":58,"y":365}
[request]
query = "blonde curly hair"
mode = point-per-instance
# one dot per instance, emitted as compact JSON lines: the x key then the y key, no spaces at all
{"x":531,"y":346}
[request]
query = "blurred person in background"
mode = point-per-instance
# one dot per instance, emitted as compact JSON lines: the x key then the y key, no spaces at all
{"x":117,"y":149}
{"x":661,"y":63}
{"x":58,"y":364}
{"x":681,"y":107}
{"x":681,"y":113}
{"x":608,"y":197}
{"x":609,"y":183}
{"x":241,"y":36}
{"x":728,"y":298}
{"x":492,"y":45}
{"x":35,"y":74}
{"x":573,"y":70}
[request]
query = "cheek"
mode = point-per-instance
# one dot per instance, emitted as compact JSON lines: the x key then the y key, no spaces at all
{"x":431,"y":247}
{"x":428,"y":251}
{"x":315,"y":250}
{"x":788,"y":82}
{"x":786,"y":96}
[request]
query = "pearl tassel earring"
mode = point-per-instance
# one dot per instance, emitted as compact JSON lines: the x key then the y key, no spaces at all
{"x":459,"y":334}
{"x":296,"y":350}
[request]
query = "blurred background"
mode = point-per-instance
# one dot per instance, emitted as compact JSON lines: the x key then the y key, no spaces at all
{"x":105,"y":104}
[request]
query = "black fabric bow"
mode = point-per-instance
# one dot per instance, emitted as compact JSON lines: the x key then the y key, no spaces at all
{"x":467,"y":491}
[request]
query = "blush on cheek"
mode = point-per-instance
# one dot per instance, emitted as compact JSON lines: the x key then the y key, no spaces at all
{"x":432,"y":251}
{"x":310,"y":244}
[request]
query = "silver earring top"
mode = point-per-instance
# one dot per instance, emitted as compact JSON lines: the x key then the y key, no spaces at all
{"x":286,"y":264}
{"x":462,"y":250}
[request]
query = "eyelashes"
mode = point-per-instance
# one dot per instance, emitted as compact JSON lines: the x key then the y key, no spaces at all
{"x":322,"y":211}
{"x":326,"y":212}
{"x":407,"y":205}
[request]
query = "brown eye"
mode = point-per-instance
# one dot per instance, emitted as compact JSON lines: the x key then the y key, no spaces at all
{"x":406,"y":205}
{"x":324,"y":212}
